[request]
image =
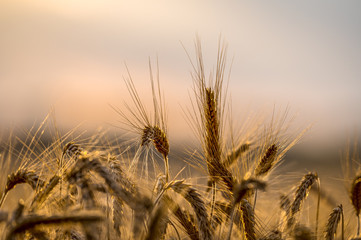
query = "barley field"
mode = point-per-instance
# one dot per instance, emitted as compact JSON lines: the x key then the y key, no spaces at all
{"x":230,"y":185}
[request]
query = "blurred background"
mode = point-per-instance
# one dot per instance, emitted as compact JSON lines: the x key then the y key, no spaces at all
{"x":71,"y":55}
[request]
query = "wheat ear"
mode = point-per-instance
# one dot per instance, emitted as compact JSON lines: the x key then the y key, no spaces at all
{"x":234,"y":155}
{"x":118,"y":205}
{"x":300,"y":195}
{"x":239,"y":194}
{"x":156,"y":135}
{"x":198,"y":205}
{"x":44,"y":193}
{"x":248,"y":220}
{"x":333,"y":221}
{"x":183,"y":218}
{"x":356,"y":199}
{"x":265,"y":165}
{"x":216,"y":168}
{"x":22,"y":175}
{"x":267,"y":161}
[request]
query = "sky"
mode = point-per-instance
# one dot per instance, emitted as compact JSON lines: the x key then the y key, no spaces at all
{"x":71,"y":56}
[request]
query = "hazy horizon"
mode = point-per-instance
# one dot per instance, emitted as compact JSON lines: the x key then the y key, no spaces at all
{"x":71,"y":56}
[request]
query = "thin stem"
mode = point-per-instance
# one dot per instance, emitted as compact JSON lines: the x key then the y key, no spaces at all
{"x":176,"y":230}
{"x":255,"y":200}
{"x":3,"y":197}
{"x":231,"y":224}
{"x":166,"y":166}
{"x":213,"y":200}
{"x":342,"y":226}
{"x":318,"y":205}
{"x":358,"y":224}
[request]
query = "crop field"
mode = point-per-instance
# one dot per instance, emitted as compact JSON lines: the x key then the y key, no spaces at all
{"x":232,"y":184}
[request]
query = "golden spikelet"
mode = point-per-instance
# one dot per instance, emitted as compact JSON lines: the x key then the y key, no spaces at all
{"x":234,"y":155}
{"x":302,"y":191}
{"x":72,"y":150}
{"x":285,"y":203}
{"x":22,"y":175}
{"x":213,"y":151}
{"x":356,"y":194}
{"x":333,"y":221}
{"x":216,"y":168}
{"x":267,"y":161}
{"x":158,"y":137}
{"x":240,"y":193}
{"x":300,"y":195}
{"x":183,"y":217}
{"x":198,"y":205}
{"x":44,"y":193}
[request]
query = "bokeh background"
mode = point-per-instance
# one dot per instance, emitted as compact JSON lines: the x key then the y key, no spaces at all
{"x":71,"y":55}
